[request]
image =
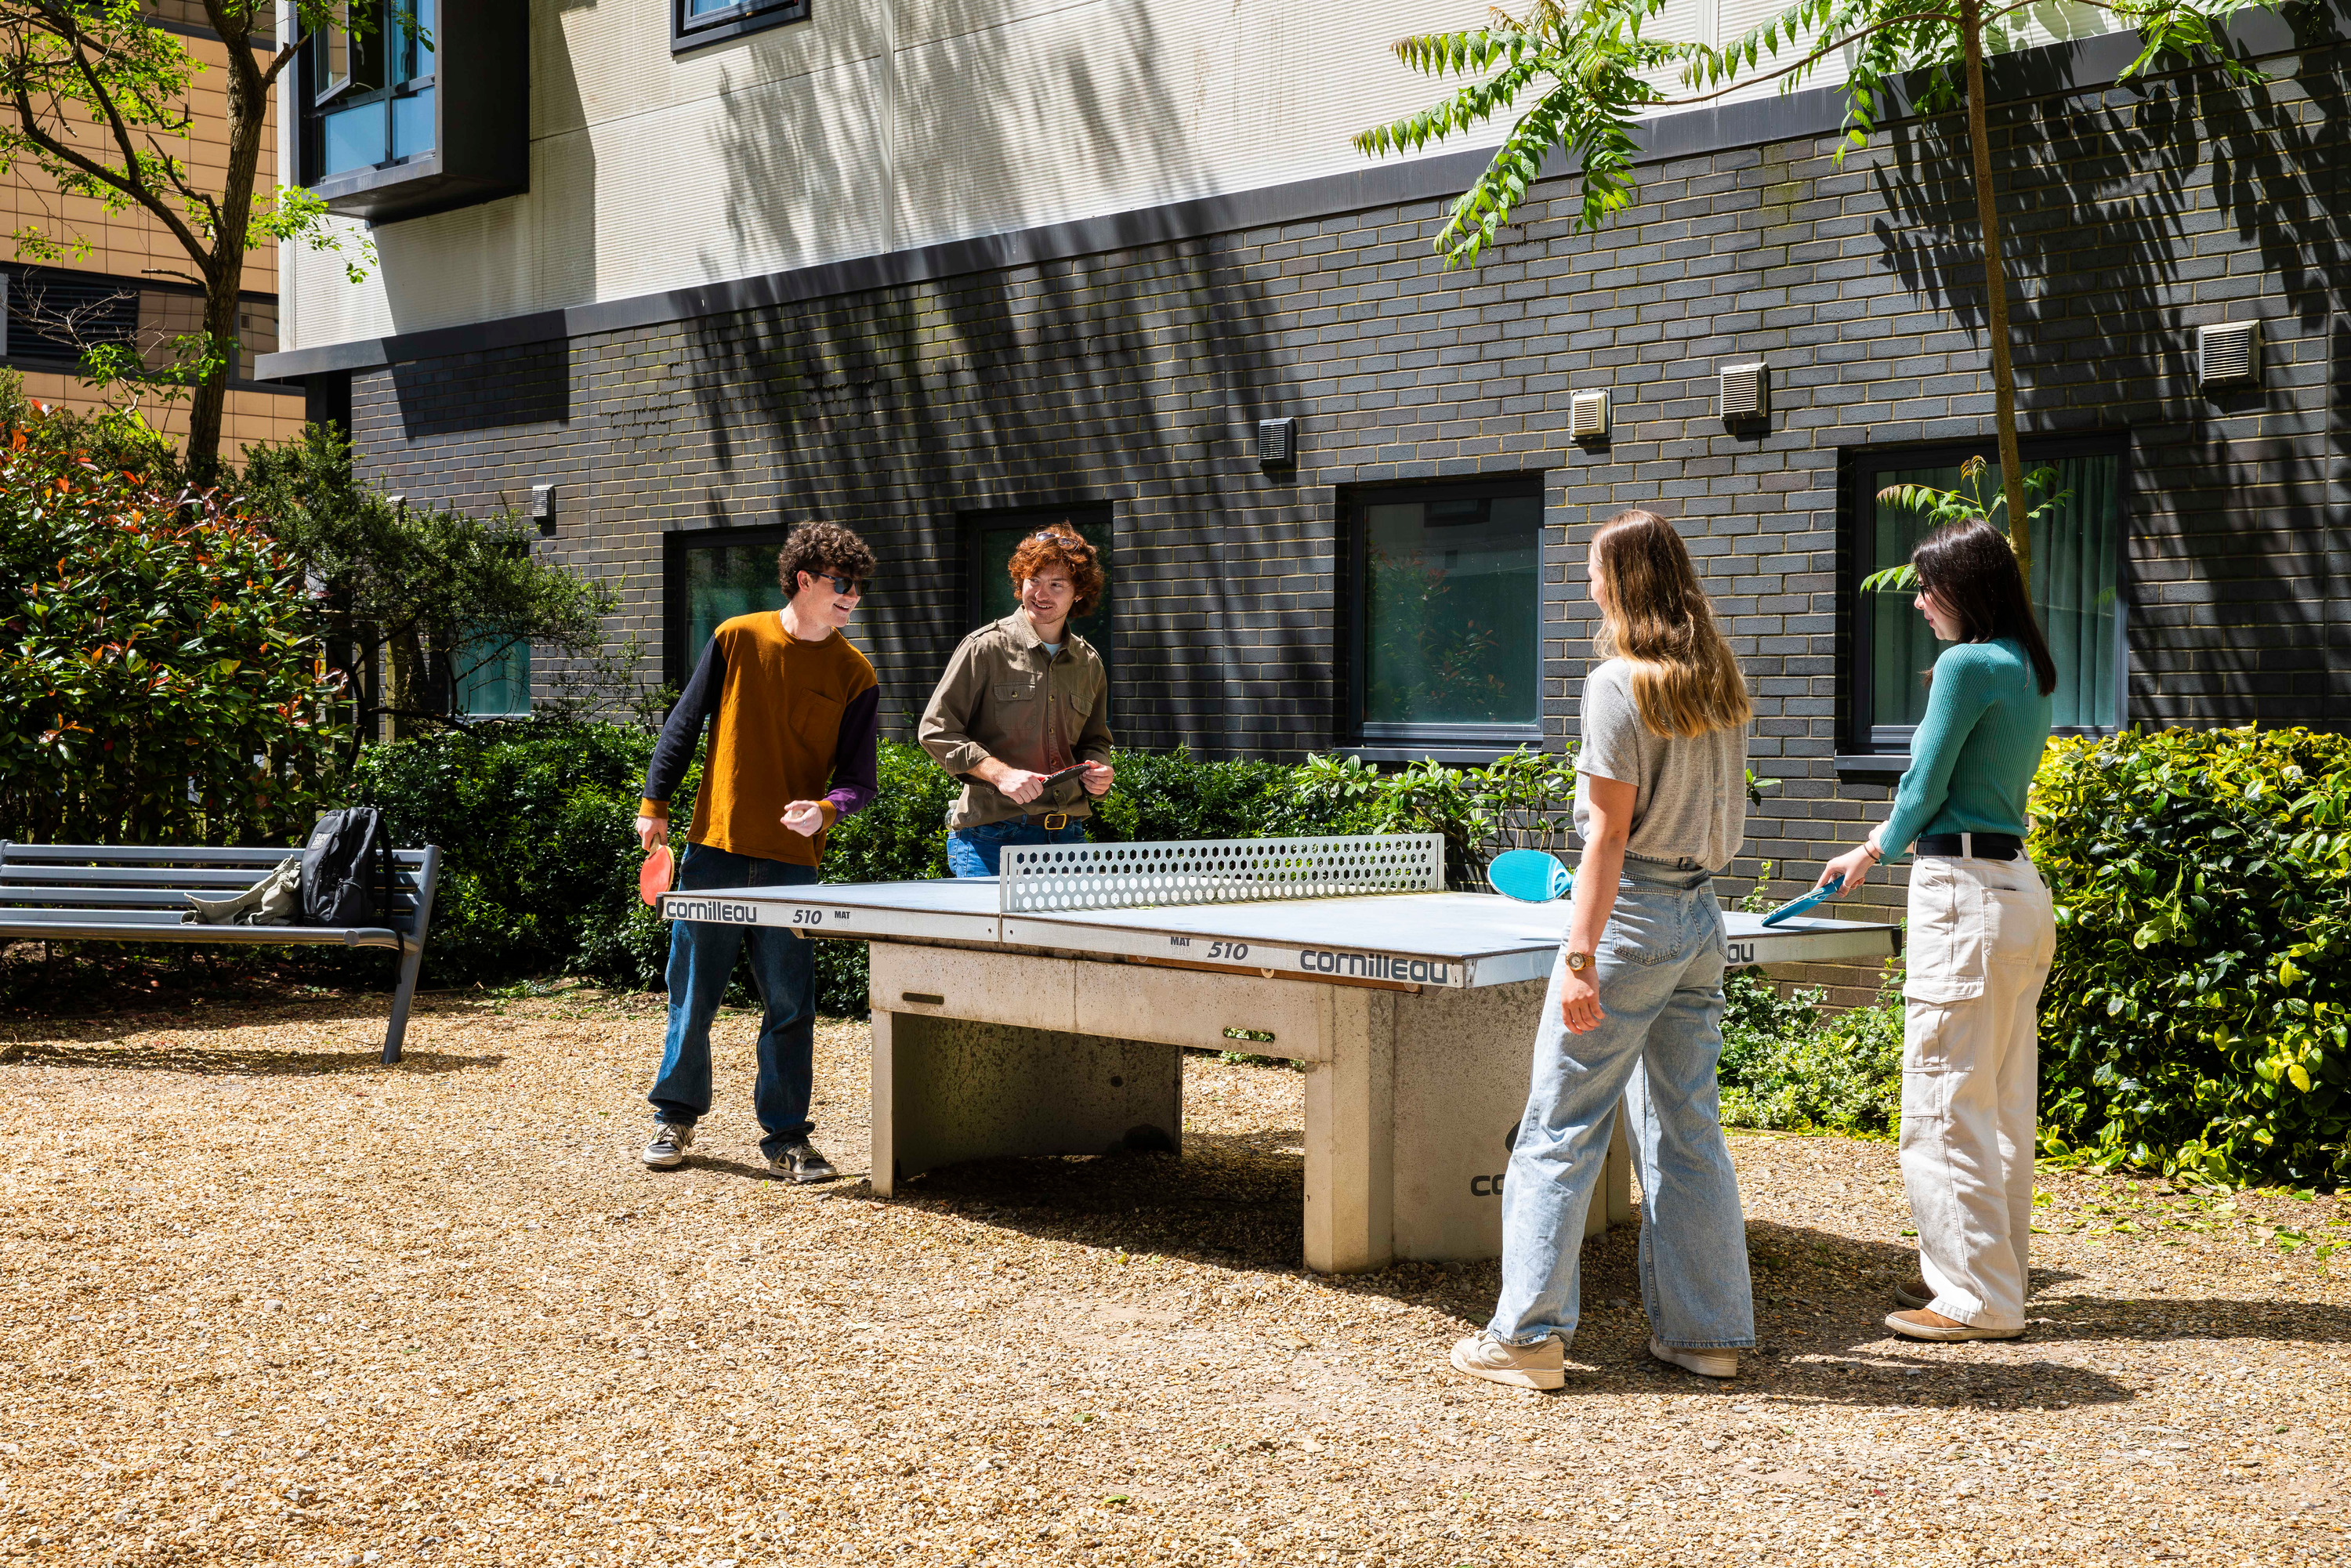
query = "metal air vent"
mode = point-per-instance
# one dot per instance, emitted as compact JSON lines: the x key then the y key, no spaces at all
{"x":1277,"y":442}
{"x":2228,"y":354}
{"x":1746,"y":392}
{"x":1587,"y":416}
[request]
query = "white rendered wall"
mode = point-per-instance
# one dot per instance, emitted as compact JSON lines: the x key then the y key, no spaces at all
{"x":881,"y":125}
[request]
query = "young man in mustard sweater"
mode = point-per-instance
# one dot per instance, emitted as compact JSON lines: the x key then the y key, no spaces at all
{"x":794,"y":710}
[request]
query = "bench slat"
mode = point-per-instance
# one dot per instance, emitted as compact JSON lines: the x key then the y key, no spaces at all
{"x":263,"y":855}
{"x":15,"y":928}
{"x":191,"y":877}
{"x":404,"y":909}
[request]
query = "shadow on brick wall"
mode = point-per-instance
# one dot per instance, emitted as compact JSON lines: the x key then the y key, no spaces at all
{"x":1122,"y":377}
{"x":524,"y":386}
{"x":2120,"y":211}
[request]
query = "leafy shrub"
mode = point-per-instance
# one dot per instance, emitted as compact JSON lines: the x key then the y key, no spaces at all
{"x":538,"y":859}
{"x":2196,"y":1019}
{"x":159,"y":675}
{"x":1785,"y":1065}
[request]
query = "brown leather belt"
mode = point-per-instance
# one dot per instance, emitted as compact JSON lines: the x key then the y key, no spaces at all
{"x":1052,"y":821}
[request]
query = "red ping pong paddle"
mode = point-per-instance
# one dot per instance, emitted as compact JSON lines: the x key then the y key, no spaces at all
{"x":652,"y":877}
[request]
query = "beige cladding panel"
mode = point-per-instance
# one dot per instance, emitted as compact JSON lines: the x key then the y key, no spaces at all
{"x":873,"y":128}
{"x":604,"y":64}
{"x":132,"y":243}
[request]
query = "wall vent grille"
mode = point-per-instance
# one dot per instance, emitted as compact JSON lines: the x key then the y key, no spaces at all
{"x":1277,"y":442}
{"x":2228,"y":354}
{"x":1746,"y":392}
{"x":1587,"y":416}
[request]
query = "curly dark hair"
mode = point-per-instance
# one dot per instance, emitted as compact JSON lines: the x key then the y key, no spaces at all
{"x":822,"y":547}
{"x":1059,"y":544}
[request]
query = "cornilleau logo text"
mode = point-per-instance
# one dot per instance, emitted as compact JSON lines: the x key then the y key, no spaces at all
{"x":1376,"y":966}
{"x":714,"y":909}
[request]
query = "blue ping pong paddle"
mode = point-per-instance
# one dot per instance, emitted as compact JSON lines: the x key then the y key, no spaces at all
{"x":1531,"y":877}
{"x":1796,"y":907}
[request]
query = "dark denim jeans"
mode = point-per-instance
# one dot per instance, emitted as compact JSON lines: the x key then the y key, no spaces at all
{"x":979,"y":852}
{"x":783,"y":971}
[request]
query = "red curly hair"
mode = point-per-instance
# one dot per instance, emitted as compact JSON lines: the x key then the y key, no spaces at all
{"x":1059,"y":544}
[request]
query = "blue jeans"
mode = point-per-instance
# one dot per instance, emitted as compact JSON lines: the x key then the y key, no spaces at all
{"x":701,"y":961}
{"x":1660,"y":981}
{"x":979,"y":852}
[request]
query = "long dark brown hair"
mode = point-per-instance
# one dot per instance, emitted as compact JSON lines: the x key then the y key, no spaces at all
{"x":1686,"y":680}
{"x":1969,"y":567}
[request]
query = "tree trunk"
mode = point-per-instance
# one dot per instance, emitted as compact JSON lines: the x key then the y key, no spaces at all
{"x":209,"y":402}
{"x":2003,"y":374}
{"x":223,"y":270}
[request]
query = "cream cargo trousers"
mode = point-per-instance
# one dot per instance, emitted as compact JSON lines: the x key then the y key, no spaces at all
{"x":1981,"y":939}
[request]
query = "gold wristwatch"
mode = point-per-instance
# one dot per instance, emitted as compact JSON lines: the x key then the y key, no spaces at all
{"x":1579,"y":962}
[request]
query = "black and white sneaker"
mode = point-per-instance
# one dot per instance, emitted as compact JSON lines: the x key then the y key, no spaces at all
{"x":800,"y":1162}
{"x":668,"y":1151}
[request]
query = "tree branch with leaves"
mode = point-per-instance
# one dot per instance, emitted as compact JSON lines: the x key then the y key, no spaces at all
{"x":1589,"y":72}
{"x":99,"y":98}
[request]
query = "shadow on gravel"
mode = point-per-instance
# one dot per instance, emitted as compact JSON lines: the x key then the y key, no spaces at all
{"x":1232,"y":1202}
{"x":220,"y":1061}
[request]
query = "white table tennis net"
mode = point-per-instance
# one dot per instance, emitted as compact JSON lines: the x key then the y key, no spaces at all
{"x":1039,"y":878}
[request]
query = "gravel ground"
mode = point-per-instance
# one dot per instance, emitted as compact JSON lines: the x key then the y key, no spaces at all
{"x":271,"y":1303}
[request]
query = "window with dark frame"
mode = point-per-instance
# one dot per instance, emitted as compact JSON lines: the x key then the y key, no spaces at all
{"x":373,"y":89}
{"x":710,"y":577}
{"x":990,"y":537}
{"x":1446,"y":615}
{"x":2077,"y":551}
{"x":491,"y":680}
{"x":693,"y":23}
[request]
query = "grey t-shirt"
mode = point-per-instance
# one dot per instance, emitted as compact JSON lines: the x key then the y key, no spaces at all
{"x":1691,"y":804}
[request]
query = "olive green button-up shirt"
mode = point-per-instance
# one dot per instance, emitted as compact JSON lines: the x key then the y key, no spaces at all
{"x":1003,"y":696}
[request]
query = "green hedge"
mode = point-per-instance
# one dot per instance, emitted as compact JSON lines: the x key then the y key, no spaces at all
{"x":2195,"y":1022}
{"x":2195,"y":1017}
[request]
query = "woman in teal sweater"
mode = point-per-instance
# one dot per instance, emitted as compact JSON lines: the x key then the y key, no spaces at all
{"x":1980,"y":943}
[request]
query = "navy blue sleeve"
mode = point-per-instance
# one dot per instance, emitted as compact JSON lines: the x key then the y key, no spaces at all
{"x":683,"y":732}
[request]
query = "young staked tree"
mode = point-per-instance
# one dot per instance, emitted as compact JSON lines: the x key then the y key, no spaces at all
{"x":99,"y":99}
{"x":1591,"y":69}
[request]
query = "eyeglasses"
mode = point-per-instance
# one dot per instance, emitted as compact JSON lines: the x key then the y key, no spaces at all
{"x":850,"y":587}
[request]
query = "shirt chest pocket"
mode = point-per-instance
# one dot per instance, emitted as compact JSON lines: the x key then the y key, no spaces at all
{"x":1013,"y":691}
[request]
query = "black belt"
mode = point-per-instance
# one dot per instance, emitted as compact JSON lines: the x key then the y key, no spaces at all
{"x":1971,"y":846}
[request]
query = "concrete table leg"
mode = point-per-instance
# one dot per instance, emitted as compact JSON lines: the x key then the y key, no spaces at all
{"x":1350,"y":1138}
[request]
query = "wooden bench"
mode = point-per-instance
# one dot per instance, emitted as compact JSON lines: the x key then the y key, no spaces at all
{"x":133,"y":893}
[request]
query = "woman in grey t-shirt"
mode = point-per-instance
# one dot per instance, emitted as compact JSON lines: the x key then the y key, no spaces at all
{"x":1635,"y":1002}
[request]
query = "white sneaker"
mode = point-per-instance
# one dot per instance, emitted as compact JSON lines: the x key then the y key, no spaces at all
{"x":1705,"y":1362}
{"x":668,"y":1151}
{"x":1541,"y":1365}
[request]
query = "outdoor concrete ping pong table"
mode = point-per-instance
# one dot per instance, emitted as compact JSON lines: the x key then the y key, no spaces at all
{"x":1043,"y":1012}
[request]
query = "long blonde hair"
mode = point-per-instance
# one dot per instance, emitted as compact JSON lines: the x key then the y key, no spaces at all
{"x":1655,"y":617}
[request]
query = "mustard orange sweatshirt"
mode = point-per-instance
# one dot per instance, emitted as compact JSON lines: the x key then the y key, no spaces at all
{"x":789,"y":720}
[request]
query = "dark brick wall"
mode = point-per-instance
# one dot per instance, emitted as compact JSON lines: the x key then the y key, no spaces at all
{"x":1135,"y":377}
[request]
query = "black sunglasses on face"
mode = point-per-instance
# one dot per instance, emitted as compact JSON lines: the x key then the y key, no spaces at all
{"x":850,"y":586}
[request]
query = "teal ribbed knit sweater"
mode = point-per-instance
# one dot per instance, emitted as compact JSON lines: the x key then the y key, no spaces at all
{"x":1973,"y":759}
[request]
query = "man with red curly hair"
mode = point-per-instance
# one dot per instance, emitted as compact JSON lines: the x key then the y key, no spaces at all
{"x":794,"y":711}
{"x":1025,"y":698}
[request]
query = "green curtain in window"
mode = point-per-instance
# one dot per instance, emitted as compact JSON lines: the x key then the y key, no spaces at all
{"x":492,"y":679}
{"x":723,"y":581}
{"x":2076,"y":566}
{"x":1452,"y":599}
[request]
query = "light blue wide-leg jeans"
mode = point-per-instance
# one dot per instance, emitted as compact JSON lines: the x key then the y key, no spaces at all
{"x":1660,"y":980}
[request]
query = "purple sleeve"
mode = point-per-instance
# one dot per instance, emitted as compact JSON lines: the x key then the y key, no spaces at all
{"x":854,"y":783}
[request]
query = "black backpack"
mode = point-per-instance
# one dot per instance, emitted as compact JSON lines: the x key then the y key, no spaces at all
{"x":347,"y":870}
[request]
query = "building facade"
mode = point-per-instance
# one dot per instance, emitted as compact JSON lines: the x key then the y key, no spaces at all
{"x":123,"y":287}
{"x":1408,"y":579}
